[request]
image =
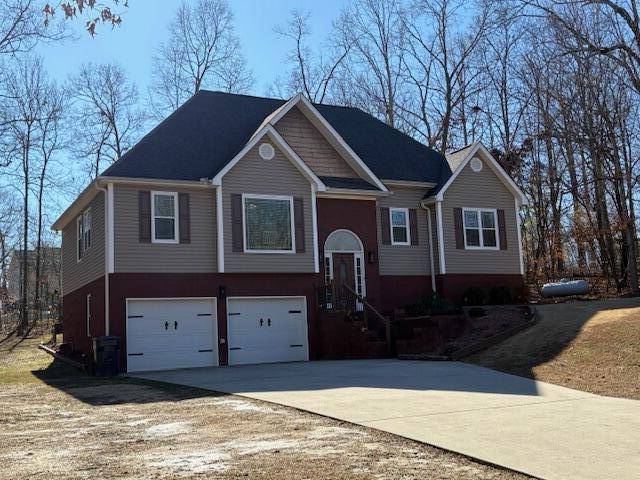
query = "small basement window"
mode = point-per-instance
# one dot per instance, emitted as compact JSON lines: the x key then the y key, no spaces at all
{"x":480,"y":228}
{"x":164,"y":224}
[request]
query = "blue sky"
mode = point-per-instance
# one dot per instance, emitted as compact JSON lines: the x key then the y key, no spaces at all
{"x":144,"y":27}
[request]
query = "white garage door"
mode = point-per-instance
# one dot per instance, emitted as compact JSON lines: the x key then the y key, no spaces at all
{"x":267,"y":329}
{"x":166,"y":333}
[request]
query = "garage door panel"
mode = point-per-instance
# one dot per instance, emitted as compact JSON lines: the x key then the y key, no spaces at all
{"x":281,"y":337}
{"x":171,"y":333}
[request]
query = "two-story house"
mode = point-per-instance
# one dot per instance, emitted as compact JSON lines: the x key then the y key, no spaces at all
{"x":205,"y":243}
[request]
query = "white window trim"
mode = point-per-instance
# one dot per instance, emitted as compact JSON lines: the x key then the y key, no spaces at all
{"x":292,"y":222}
{"x":79,"y":239}
{"x":81,"y":234}
{"x":495,"y":224}
{"x":86,"y":214}
{"x":176,"y":208}
{"x":406,"y":214}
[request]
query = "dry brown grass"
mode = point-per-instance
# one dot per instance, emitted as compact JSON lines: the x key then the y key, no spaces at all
{"x":590,"y":346}
{"x":56,"y":423}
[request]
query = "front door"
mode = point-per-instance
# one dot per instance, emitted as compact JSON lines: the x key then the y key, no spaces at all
{"x":344,"y":274}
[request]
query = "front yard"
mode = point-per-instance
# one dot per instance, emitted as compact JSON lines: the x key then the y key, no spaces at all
{"x":57,"y":423}
{"x":591,"y":346}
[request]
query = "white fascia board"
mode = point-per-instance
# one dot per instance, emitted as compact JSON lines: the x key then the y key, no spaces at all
{"x":278,"y":113}
{"x":357,"y":192}
{"x":494,"y":165}
{"x":76,"y":206}
{"x":283,"y":146}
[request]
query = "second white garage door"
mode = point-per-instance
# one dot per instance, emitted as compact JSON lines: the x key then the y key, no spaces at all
{"x":267,"y":330}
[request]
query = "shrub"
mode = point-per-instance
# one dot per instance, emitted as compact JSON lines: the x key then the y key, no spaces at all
{"x":475,"y":312}
{"x":428,"y":305}
{"x":500,"y":296}
{"x":473,"y":296}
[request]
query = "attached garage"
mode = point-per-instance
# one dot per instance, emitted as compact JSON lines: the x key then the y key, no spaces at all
{"x":267,"y":329}
{"x":168,"y":333}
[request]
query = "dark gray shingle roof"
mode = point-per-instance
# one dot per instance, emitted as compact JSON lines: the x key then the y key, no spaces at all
{"x":351,"y":183}
{"x":204,"y":134}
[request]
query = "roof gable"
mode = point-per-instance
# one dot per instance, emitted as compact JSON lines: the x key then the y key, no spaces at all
{"x":269,"y":133}
{"x":211,"y":128}
{"x":462,"y":157}
{"x":305,"y":139}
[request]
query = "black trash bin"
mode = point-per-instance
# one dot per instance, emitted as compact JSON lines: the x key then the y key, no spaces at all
{"x":106,"y":351}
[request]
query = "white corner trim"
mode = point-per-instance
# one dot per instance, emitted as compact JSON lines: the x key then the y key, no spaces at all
{"x":110,"y":229}
{"x":431,"y":261}
{"x":314,"y":219}
{"x":519,"y":228}
{"x":443,"y":268}
{"x":220,"y":222}
{"x":282,"y":145}
{"x":495,"y":167}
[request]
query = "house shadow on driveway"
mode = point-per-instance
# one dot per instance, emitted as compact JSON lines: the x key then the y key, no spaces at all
{"x":372,"y":375}
{"x":99,"y":391}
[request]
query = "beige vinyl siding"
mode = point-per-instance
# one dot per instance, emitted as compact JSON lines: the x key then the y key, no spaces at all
{"x":277,"y":176}
{"x":311,"y":146}
{"x":76,"y":274}
{"x":480,"y":190}
{"x":405,"y":259}
{"x":197,"y":256}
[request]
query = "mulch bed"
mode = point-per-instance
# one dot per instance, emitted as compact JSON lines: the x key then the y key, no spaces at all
{"x":496,"y":320}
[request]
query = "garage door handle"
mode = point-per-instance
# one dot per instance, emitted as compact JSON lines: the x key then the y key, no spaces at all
{"x":166,"y":325}
{"x":268,"y":322}
{"x":175,"y":325}
{"x":261,"y":321}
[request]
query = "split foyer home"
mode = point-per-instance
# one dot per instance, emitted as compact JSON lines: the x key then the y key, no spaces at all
{"x":231,"y":232}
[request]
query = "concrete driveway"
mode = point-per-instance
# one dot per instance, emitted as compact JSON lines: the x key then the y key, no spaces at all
{"x":537,"y":428}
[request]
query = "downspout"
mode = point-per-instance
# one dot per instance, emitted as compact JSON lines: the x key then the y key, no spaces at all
{"x":106,"y":258}
{"x":431,"y":261}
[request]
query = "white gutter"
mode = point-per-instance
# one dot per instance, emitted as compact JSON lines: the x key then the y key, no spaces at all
{"x":107,"y":248}
{"x":431,"y":261}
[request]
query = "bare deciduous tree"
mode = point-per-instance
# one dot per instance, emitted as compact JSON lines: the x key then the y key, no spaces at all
{"x":202,"y":51}
{"x":311,"y":74}
{"x":106,"y":114}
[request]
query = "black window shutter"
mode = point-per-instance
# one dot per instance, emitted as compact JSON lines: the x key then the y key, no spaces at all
{"x":237,"y":244}
{"x":144,"y":216}
{"x":457,"y":223}
{"x":184,"y":217}
{"x":413,"y":226}
{"x":385,"y":226}
{"x":298,"y":213}
{"x":502,"y":231}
